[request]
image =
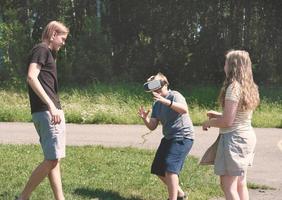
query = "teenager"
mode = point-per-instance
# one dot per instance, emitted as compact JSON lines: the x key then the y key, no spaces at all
{"x":239,"y":97}
{"x":47,"y":113}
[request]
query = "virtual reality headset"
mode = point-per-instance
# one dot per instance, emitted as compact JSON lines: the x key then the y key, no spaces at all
{"x":153,"y":85}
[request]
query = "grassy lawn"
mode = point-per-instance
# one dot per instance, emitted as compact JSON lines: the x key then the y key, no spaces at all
{"x":118,"y":104}
{"x":95,"y":172}
{"x":91,"y":172}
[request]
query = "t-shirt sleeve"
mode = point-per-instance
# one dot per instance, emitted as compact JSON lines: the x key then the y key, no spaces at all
{"x":39,"y":55}
{"x":233,"y":92}
{"x":179,"y":98}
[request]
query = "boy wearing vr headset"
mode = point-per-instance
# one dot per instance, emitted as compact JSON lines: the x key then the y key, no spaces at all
{"x":169,"y":108}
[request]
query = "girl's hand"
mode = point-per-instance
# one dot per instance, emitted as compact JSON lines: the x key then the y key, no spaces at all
{"x":205,"y":126}
{"x":142,"y":113}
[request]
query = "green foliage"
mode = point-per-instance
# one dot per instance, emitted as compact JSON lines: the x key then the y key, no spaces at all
{"x":130,"y":39}
{"x":255,"y":186}
{"x":119,"y":103}
{"x":14,"y":106}
{"x":91,"y":172}
{"x":13,"y":46}
{"x":92,"y":61}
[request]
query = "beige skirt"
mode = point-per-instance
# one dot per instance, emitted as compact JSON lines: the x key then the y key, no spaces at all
{"x":235,"y":153}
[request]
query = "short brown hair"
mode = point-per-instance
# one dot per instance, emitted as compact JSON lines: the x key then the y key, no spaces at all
{"x":159,"y":76}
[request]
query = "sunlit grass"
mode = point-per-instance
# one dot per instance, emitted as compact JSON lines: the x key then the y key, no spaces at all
{"x":118,"y":104}
{"x":91,"y":172}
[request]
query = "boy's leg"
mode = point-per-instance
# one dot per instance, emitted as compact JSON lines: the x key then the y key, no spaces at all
{"x":177,"y":153}
{"x":172,"y":185}
{"x":37,"y":177}
{"x":56,"y":183}
{"x":52,"y":139}
{"x":180,"y":192}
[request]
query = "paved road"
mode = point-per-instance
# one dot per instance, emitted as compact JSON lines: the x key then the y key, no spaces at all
{"x":267,"y":169}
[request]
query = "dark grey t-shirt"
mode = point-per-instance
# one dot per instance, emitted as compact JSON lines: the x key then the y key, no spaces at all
{"x":42,"y":55}
{"x":175,"y":125}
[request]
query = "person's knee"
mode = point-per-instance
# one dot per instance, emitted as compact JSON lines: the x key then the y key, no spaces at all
{"x":242,"y":183}
{"x":225,"y":187}
{"x":161,"y":177}
{"x":222,"y":185}
{"x":52,"y":163}
{"x":170,"y":174}
{"x":228,"y":184}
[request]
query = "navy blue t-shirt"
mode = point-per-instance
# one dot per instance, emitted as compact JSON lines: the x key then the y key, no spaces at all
{"x":175,"y":125}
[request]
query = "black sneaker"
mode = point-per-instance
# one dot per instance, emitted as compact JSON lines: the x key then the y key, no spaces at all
{"x":182,"y":198}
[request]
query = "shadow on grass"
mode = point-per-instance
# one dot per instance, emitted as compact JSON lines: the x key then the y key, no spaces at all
{"x":100,"y":194}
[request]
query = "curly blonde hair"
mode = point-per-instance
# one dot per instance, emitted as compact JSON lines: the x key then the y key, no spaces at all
{"x":239,"y":68}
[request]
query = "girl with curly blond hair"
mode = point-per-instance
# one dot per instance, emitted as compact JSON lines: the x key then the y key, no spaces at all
{"x":239,"y":97}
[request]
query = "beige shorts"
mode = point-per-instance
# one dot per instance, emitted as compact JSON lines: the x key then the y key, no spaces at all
{"x":52,"y":137}
{"x":235,"y":153}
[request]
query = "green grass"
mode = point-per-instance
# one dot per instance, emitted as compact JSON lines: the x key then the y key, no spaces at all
{"x":91,"y":172}
{"x":255,"y":186}
{"x":118,"y":104}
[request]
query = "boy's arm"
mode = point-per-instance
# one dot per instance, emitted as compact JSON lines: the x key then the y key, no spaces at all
{"x":33,"y":82}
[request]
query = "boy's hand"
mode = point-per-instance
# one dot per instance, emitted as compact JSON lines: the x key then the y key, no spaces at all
{"x":142,"y":113}
{"x":55,"y":115}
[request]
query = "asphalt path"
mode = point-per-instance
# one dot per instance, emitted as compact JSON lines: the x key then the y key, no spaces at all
{"x":266,"y":170}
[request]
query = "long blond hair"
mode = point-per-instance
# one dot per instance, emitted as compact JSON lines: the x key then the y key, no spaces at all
{"x":51,"y":27}
{"x":239,"y":68}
